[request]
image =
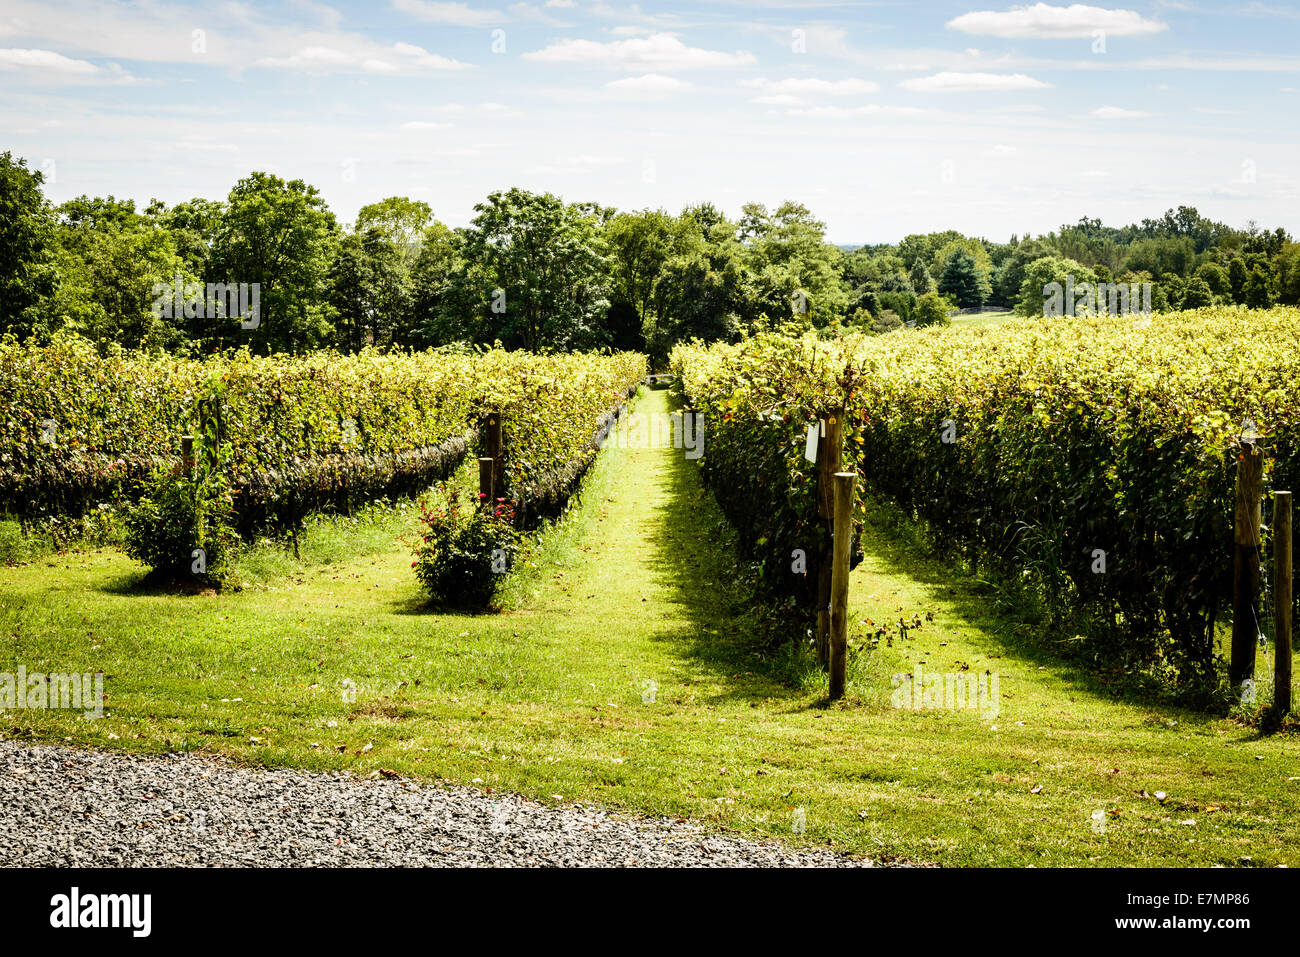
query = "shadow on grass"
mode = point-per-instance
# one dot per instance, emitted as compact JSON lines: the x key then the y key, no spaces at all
{"x":423,"y":606}
{"x":159,"y":584}
{"x":695,"y":559}
{"x":896,"y":544}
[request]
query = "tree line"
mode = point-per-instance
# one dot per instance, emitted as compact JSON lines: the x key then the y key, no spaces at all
{"x":532,"y":271}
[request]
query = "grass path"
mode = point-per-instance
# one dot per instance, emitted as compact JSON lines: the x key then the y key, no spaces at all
{"x":634,"y":593}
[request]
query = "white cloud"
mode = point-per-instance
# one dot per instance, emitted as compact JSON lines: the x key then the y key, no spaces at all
{"x":399,"y":58}
{"x":422,"y":58}
{"x":526,"y":11}
{"x":651,"y":84}
{"x":426,"y":125}
{"x":1043,"y":21}
{"x":1117,"y":113}
{"x":662,"y":52}
{"x":870,"y":109}
{"x":45,"y":60}
{"x":972,"y":82}
{"x":1257,"y":9}
{"x":450,"y":14}
{"x":562,"y":4}
{"x":1000,"y":149}
{"x":811,"y":86}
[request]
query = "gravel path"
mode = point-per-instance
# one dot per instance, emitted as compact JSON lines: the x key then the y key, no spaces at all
{"x":65,"y":807}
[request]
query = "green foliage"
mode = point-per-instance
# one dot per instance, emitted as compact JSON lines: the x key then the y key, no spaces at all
{"x":920,"y":279}
{"x":1257,"y":292}
{"x":570,"y":276}
{"x":27,"y":248}
{"x":1197,"y":294}
{"x":403,"y":220}
{"x":1040,"y":274}
{"x":796,"y":273}
{"x":964,"y":280}
{"x":369,"y":290}
{"x":902,"y":304}
{"x":183,"y":529}
{"x":1065,"y":439}
{"x":932,"y":310}
{"x":464,"y":553}
{"x":299,"y":434}
{"x":1288,"y":274}
{"x":534,"y":274}
{"x":281,"y":235}
{"x":887,"y":321}
{"x":1216,"y":278}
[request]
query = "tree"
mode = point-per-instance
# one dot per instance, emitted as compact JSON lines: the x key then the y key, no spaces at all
{"x":932,"y":310}
{"x":1256,"y":292}
{"x":1216,"y":277}
{"x":1237,"y":277}
{"x":28,"y":275}
{"x":972,"y":247}
{"x":111,"y":264}
{"x":194,"y":225}
{"x":964,"y":281}
{"x":369,"y":290}
{"x":433,"y":280}
{"x":1160,"y":255}
{"x":920,"y":278}
{"x":1288,"y":274}
{"x":696,"y":296}
{"x":1197,"y":294}
{"x":403,"y":219}
{"x":1010,"y":275}
{"x":924,"y":246}
{"x":1048,"y":283}
{"x":538,"y":271}
{"x":282,"y":236}
{"x":796,"y":274}
{"x":639,"y":244}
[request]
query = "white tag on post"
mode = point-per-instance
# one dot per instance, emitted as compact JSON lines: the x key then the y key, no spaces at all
{"x":810,"y":450}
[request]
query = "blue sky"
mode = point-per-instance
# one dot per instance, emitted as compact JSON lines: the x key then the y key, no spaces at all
{"x":884,"y":118}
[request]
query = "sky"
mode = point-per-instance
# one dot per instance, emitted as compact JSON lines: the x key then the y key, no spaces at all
{"x":884,"y":118}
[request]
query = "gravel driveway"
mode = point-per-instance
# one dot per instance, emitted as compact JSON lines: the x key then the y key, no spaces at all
{"x":65,"y":807}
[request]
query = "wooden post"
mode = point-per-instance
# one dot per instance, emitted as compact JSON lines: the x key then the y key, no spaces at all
{"x":1282,"y":603}
{"x":830,"y":451}
{"x":494,"y":449}
{"x":486,"y":469}
{"x":187,"y":455}
{"x":1245,"y":576}
{"x":844,"y":482}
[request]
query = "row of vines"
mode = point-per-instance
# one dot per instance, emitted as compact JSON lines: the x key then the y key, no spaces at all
{"x":1034,"y":449}
{"x":297,"y":434}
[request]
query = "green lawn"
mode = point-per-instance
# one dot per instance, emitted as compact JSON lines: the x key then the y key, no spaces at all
{"x":979,"y":320}
{"x":549,"y":697}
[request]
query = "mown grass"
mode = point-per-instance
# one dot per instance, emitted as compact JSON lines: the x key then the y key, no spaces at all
{"x":623,"y":670}
{"x":979,"y":320}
